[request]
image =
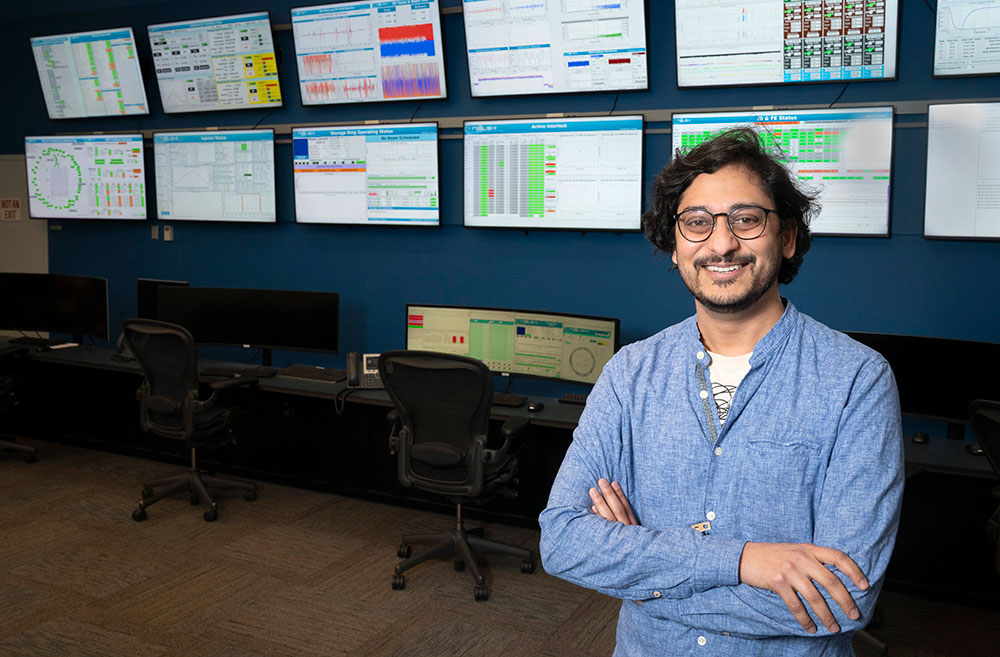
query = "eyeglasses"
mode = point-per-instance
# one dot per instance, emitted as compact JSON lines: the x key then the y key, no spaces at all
{"x":747,"y":222}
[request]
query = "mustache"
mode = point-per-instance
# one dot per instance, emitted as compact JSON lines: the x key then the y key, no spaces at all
{"x":744,"y":259}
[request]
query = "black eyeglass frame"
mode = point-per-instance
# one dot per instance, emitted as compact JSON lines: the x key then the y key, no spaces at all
{"x":715,"y":222}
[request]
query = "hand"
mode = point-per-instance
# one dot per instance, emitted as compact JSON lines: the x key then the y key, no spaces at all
{"x":794,"y":569}
{"x":610,"y":503}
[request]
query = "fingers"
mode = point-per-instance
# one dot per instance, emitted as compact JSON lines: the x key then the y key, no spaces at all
{"x":609,"y":502}
{"x":844,"y":564}
{"x":600,"y":505}
{"x":624,"y":502}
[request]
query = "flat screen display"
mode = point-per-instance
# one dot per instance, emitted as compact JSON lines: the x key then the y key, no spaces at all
{"x":90,"y":74}
{"x":221,"y":63}
{"x":845,"y":154}
{"x":380,"y":174}
{"x":742,"y":42}
{"x":86,"y":177}
{"x":147,"y":295}
{"x":352,"y":52}
{"x":550,"y":47}
{"x":967,"y":38}
{"x":547,"y":345}
{"x":580,"y":174}
{"x":223,"y":175}
{"x":54,"y":302}
{"x":962,"y":194}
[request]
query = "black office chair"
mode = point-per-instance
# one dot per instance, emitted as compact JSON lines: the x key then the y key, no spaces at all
{"x":985,"y":417}
{"x":8,"y":402}
{"x":169,"y":406}
{"x":439,"y":433}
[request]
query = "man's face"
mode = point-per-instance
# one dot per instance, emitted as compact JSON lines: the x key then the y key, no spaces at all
{"x":726,"y":274}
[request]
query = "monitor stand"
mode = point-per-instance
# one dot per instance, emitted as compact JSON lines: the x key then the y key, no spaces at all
{"x":265,"y":357}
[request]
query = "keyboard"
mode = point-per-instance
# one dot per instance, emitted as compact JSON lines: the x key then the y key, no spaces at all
{"x":256,"y":371}
{"x":314,"y":373}
{"x":508,"y":399}
{"x":573,"y":398}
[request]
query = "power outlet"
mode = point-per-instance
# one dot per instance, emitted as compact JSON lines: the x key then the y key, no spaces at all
{"x":154,"y":232}
{"x":168,"y":233}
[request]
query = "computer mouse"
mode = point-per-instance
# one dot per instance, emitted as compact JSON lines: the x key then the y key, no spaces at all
{"x":974,"y":448}
{"x":920,"y":438}
{"x":535,"y":406}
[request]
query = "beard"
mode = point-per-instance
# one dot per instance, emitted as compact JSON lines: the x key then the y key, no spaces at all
{"x":713,"y":295}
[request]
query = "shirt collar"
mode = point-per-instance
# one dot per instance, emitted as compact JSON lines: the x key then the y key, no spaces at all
{"x":771,"y":341}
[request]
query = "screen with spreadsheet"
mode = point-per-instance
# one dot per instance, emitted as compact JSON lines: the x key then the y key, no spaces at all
{"x":90,"y":74}
{"x":550,"y":47}
{"x":379,"y":174}
{"x":560,"y":346}
{"x":221,"y":63}
{"x":844,"y":154}
{"x":967,"y":38}
{"x":579,"y":174}
{"x":353,"y":52}
{"x":743,"y":42}
{"x":218,"y":175}
{"x":86,"y":177}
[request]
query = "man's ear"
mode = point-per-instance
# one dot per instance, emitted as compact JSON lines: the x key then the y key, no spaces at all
{"x":788,"y":241}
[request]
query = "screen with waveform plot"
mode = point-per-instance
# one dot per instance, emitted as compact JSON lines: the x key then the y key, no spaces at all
{"x":574,"y":174}
{"x":353,"y":52}
{"x":967,"y":38}
{"x":217,"y":175}
{"x":518,"y":47}
{"x":86,"y":177}
{"x":90,"y":74}
{"x":785,"y":41}
{"x":844,"y":154}
{"x":367,"y":174}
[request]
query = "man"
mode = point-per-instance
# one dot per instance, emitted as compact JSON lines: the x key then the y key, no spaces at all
{"x":754,"y":455}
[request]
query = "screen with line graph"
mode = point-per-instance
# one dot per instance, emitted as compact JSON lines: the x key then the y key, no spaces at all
{"x":742,"y":42}
{"x":220,"y":63}
{"x":353,"y":52}
{"x":224,"y":175}
{"x":86,"y":177}
{"x":844,"y":154}
{"x":551,"y":46}
{"x":367,"y":174}
{"x":90,"y":74}
{"x":967,"y":38}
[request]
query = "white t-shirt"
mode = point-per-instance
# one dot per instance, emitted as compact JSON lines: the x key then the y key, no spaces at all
{"x":726,"y":372}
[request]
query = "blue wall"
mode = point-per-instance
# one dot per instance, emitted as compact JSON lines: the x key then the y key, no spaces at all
{"x":902,"y":284}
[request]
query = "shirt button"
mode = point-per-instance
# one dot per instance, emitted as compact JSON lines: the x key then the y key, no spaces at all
{"x":703,"y":394}
{"x":718,"y":451}
{"x":710,"y":515}
{"x":701,"y":355}
{"x":656,"y":594}
{"x":702,"y":641}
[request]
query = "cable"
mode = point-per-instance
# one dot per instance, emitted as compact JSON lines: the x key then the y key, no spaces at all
{"x":417,"y":109}
{"x":338,"y":401}
{"x":933,"y":9}
{"x":614,"y":105}
{"x":846,"y":85}
{"x":266,"y":114}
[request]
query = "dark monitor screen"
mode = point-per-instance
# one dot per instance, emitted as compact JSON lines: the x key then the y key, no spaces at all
{"x":938,"y":377}
{"x":272,"y":319}
{"x":147,"y":295}
{"x":54,"y":302}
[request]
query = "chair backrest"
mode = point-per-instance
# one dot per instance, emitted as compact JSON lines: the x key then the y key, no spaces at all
{"x":443,"y":402}
{"x":985,"y":417}
{"x":166,"y":354}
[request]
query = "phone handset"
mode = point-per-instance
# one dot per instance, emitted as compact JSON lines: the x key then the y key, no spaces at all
{"x":362,"y":372}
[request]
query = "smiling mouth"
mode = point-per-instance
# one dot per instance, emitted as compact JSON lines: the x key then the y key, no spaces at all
{"x":724,"y":268}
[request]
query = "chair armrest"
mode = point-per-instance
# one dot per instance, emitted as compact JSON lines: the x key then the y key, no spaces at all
{"x":512,"y":428}
{"x":393,"y":418}
{"x":233,"y":382}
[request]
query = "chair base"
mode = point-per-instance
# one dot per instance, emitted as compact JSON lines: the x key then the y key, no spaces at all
{"x":12,"y":446}
{"x":197,"y":485}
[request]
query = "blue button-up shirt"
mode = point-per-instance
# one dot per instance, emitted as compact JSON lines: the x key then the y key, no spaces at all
{"x":811,"y":452}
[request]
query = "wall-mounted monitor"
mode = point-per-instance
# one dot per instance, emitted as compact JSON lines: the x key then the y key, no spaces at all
{"x":90,"y":74}
{"x":845,"y":154}
{"x":221,"y":63}
{"x":551,"y":47}
{"x":963,"y":171}
{"x":967,"y":38}
{"x":60,"y":303}
{"x":147,"y":295}
{"x":86,"y":177}
{"x":367,"y":174}
{"x":352,"y":52}
{"x":785,"y":41}
{"x":218,"y":175}
{"x":544,"y":345}
{"x":579,"y":174}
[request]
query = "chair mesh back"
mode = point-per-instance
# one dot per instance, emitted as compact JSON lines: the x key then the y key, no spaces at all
{"x":986,"y":424}
{"x":166,"y":354}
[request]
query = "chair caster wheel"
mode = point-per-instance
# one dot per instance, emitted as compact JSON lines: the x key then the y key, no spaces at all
{"x":146,"y":492}
{"x":398,"y":582}
{"x":403,"y":551}
{"x":482,"y":594}
{"x":30,"y":458}
{"x":195,"y":500}
{"x":459,"y":565}
{"x":139,"y":515}
{"x":211,"y":515}
{"x":527,"y":566}
{"x":250,"y":495}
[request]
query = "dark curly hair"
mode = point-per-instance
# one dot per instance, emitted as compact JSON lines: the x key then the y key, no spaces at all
{"x":739,"y":147}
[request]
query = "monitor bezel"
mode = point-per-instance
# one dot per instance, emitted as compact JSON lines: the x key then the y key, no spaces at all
{"x":106,"y":335}
{"x":946,"y":76}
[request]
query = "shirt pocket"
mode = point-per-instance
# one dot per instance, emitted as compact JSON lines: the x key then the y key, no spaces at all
{"x":778,"y":488}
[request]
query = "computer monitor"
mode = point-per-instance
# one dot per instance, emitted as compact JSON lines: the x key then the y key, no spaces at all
{"x":966,"y":34}
{"x":147,"y":296}
{"x":352,"y":52}
{"x":845,"y":154}
{"x":223,"y":175}
{"x":784,"y":41}
{"x":541,"y":48}
{"x":579,"y":174}
{"x":547,"y":345}
{"x":378,"y":174}
{"x":963,"y":164}
{"x":219,"y":63}
{"x":267,"y":319}
{"x":90,"y":74}
{"x":59,"y":303}
{"x":86,"y":177}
